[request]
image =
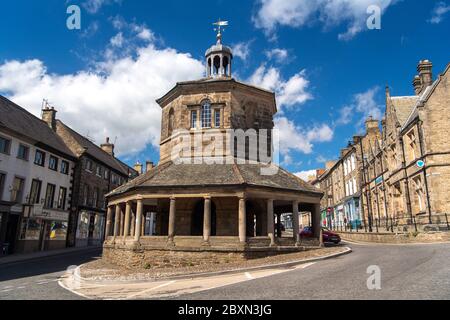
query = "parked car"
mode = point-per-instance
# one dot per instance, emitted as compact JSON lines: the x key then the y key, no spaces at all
{"x":327,"y":235}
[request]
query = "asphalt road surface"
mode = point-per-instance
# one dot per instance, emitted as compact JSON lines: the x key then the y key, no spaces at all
{"x":407,"y":272}
{"x":38,"y":279}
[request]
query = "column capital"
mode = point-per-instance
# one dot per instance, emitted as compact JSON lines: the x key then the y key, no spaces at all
{"x":207,"y":197}
{"x":139,"y":198}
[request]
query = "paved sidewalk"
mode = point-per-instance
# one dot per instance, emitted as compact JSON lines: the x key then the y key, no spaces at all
{"x":15,"y":258}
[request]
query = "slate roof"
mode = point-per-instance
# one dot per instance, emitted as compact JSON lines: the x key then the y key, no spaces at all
{"x":169,"y":175}
{"x":403,"y":107}
{"x":19,"y":120}
{"x":95,"y":151}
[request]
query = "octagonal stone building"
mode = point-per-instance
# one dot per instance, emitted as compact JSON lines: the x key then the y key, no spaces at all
{"x":210,"y":206}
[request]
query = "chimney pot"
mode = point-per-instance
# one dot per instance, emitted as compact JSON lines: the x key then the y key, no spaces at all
{"x":108,"y":147}
{"x":425,"y":70}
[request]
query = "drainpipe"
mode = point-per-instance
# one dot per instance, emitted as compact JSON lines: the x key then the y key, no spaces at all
{"x":365,"y":184}
{"x":422,"y":152}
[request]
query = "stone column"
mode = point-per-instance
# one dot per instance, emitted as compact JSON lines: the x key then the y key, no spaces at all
{"x":295,"y":222}
{"x":108,"y":222}
{"x":137,"y":228}
{"x":144,"y":221}
{"x":270,"y":222}
{"x":172,"y":217}
{"x":126,"y":232}
{"x":117,"y":221}
{"x":316,"y":222}
{"x":133,"y":223}
{"x":207,"y":220}
{"x":242,"y":221}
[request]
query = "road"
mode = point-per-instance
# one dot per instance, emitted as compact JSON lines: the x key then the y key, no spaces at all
{"x":37,"y":279}
{"x":407,"y":272}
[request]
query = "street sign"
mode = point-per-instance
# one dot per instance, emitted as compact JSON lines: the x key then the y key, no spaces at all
{"x":420,"y":164}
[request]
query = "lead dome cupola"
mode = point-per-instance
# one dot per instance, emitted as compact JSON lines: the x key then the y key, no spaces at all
{"x":219,"y":57}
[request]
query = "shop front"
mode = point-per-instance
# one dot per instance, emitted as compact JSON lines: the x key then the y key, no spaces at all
{"x":42,"y":229}
{"x":90,"y":229}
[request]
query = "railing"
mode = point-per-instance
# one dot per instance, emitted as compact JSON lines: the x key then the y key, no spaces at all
{"x":395,"y":224}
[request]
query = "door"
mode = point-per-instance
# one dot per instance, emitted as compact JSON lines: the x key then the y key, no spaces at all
{"x":11,"y":233}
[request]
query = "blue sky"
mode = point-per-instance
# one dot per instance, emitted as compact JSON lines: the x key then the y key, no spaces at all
{"x":328,"y":69}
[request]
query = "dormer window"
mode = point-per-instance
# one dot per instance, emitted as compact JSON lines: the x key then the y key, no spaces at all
{"x":206,"y":114}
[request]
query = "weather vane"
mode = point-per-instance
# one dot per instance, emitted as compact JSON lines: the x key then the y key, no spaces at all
{"x":220,"y":27}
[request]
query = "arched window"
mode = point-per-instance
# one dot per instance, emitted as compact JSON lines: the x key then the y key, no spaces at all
{"x":171,"y":121}
{"x":226,"y":62}
{"x":206,"y":114}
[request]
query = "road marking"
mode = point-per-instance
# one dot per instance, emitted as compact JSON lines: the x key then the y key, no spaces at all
{"x":151,"y":289}
{"x":249,"y":276}
{"x":20,"y":288}
{"x":7,"y":290}
{"x":304,"y":266}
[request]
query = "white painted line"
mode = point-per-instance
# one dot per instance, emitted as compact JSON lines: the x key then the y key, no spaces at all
{"x":7,"y":290}
{"x":151,"y":289}
{"x":304,"y":266}
{"x":249,"y":276}
{"x":23,"y":287}
{"x":74,"y":292}
{"x":7,"y":287}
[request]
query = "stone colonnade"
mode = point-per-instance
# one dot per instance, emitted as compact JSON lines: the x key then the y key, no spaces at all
{"x":130,"y":223}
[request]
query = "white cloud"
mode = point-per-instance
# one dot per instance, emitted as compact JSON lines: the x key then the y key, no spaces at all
{"x":117,"y":40}
{"x":289,"y":92}
{"x":280,"y":55}
{"x":242,"y":50}
{"x":306,"y":175}
{"x":329,"y":13}
{"x":439,"y":11}
{"x":300,"y":139}
{"x":93,"y":6}
{"x":116,"y":100}
{"x":363,"y":104}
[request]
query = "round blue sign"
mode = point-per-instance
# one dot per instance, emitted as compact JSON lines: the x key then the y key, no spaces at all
{"x":420,"y":163}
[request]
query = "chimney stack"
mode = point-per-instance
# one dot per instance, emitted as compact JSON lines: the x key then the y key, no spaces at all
{"x":417,"y":84}
{"x":371,"y":124}
{"x":425,"y":70}
{"x":138,"y":167}
{"x":149,"y":166}
{"x":108,"y":147}
{"x":49,"y":116}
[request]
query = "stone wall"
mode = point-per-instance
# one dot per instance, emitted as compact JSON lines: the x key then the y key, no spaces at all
{"x":396,"y":238}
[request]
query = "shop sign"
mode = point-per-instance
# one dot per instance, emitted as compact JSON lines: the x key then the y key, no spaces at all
{"x":41,"y":213}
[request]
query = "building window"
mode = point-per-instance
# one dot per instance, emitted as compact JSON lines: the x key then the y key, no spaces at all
{"x":23,"y":152}
{"x":106,"y":174}
{"x":86,"y":195}
{"x":53,"y":163}
{"x":171,"y":121}
{"x":2,"y":183}
{"x":62,"y":198}
{"x":89,"y":165}
{"x":217,"y":118}
{"x":96,"y":198}
{"x":49,"y":196}
{"x":194,"y":114}
{"x":39,"y":158}
{"x":412,"y":146}
{"x":206,"y":115}
{"x":35,"y":192}
{"x":99,"y":171}
{"x":5,"y":145}
{"x":64,"y":167}
{"x":419,"y":193}
{"x":17,"y":190}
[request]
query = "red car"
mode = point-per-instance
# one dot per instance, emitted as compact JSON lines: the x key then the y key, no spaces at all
{"x":327,"y":235}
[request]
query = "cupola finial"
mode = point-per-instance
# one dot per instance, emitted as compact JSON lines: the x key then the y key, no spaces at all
{"x":220,"y":27}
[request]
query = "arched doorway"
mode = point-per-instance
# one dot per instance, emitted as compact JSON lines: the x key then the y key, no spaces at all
{"x":197,"y":219}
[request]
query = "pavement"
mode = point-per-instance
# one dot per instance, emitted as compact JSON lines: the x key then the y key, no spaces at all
{"x":407,"y":272}
{"x":35,"y":277}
